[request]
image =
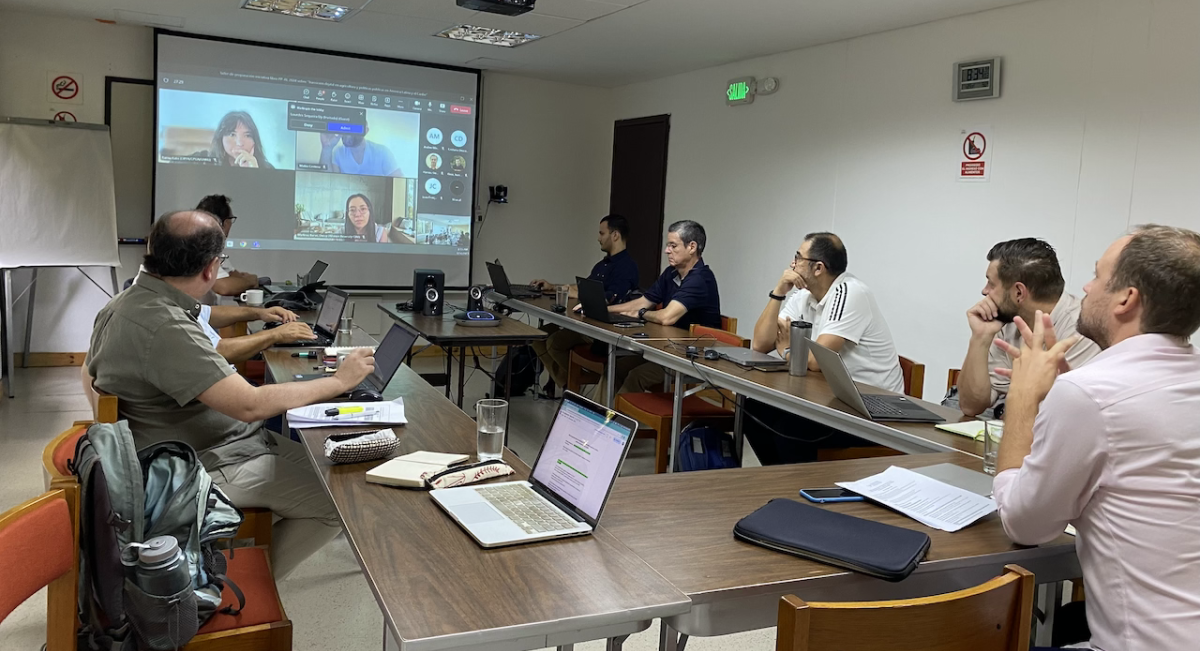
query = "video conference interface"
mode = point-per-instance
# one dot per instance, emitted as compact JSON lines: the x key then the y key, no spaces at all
{"x":320,"y":163}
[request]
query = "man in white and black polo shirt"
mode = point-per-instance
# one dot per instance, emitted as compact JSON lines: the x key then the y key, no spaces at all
{"x":846,"y":319}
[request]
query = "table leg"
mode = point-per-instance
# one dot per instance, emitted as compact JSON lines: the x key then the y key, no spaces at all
{"x":462,"y":373}
{"x":8,"y":334}
{"x":739,"y":439}
{"x":29,"y":318}
{"x":449,"y":359}
{"x":610,"y":377}
{"x":676,"y":420}
{"x":566,"y":647}
{"x":389,"y":641}
{"x":615,"y":643}
{"x":1049,"y":596}
{"x":668,"y":639}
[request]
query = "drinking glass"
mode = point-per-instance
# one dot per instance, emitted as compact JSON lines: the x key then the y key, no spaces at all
{"x":993,"y":432}
{"x":491,"y":417}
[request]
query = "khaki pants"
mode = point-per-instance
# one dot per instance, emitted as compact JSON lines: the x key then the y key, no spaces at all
{"x":287,"y":484}
{"x":555,"y":351}
{"x":640,"y":376}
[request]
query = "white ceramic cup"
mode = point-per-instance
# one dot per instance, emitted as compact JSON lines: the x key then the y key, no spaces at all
{"x":252,"y":297}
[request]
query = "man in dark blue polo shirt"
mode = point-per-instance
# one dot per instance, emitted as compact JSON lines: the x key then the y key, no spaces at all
{"x":687,"y":290}
{"x":617,"y":271}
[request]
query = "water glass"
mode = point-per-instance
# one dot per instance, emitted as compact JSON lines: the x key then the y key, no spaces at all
{"x":491,"y":417}
{"x":562,"y":294}
{"x":993,"y":431}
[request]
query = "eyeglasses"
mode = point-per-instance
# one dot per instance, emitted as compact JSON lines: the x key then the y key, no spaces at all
{"x":231,"y":218}
{"x":223,"y":257}
{"x":800,"y":258}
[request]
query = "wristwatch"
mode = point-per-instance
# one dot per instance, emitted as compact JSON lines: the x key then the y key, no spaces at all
{"x":776,"y":297}
{"x":642,"y":313}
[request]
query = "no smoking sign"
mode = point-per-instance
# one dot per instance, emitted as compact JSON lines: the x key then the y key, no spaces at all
{"x":65,"y":88}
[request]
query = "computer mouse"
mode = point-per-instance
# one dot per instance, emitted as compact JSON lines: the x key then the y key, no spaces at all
{"x":364,"y":395}
{"x":712,"y":354}
{"x":273,"y":324}
{"x":558,"y":308}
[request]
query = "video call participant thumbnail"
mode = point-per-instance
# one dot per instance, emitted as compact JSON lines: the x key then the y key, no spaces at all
{"x":357,"y":155}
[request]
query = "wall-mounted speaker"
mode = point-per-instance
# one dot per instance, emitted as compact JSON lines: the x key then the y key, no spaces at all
{"x":429,"y":291}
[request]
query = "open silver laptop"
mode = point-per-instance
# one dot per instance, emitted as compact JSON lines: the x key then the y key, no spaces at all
{"x":567,"y":490}
{"x":875,"y":407}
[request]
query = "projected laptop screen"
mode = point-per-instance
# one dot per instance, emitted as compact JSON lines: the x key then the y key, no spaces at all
{"x":581,"y":457}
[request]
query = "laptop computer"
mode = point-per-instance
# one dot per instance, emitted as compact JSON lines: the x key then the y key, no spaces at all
{"x":502,"y":286}
{"x":567,"y":490}
{"x":389,"y":355}
{"x":875,"y":407}
{"x":595,"y":303}
{"x":326,"y":325}
{"x":313,"y":276}
{"x":749,"y":358}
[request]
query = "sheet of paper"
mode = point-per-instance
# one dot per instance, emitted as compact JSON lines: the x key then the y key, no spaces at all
{"x":373,"y":413}
{"x":972,"y":429}
{"x":928,"y":501}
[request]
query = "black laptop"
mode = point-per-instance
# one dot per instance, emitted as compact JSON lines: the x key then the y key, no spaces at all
{"x":502,"y":286}
{"x":595,"y":303}
{"x":389,"y":355}
{"x":328,"y":318}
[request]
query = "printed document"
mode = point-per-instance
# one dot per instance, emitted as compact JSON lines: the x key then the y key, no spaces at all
{"x":928,"y":501}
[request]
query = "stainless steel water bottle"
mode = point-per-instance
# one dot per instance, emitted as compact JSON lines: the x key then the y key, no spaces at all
{"x":801,"y":333}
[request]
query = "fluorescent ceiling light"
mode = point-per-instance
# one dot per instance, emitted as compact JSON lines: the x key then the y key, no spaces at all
{"x":487,"y":36}
{"x":301,"y":8}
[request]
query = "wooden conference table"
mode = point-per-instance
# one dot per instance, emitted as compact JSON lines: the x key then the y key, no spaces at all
{"x":443,"y":331}
{"x":439,"y":590}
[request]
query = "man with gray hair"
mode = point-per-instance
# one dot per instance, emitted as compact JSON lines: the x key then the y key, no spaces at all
{"x":149,"y":350}
{"x":687,"y":292}
{"x":1112,"y":447}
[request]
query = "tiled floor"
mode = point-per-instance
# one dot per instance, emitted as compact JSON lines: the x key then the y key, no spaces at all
{"x":327,"y":598}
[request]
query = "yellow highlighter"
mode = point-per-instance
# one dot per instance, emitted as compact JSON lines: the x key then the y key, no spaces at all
{"x":340,"y":411}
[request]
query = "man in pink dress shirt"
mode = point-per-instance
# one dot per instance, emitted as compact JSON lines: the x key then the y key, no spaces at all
{"x":1114,"y":446}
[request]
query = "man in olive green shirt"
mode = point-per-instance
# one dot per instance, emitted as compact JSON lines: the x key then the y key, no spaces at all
{"x":149,"y":350}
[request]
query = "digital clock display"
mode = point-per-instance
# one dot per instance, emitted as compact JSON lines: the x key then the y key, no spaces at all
{"x":975,"y":77}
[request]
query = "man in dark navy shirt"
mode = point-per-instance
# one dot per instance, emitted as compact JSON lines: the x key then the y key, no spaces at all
{"x":687,"y":290}
{"x":617,"y":271}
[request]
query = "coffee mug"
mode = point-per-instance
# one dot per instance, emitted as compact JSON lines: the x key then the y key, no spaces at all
{"x":252,"y":297}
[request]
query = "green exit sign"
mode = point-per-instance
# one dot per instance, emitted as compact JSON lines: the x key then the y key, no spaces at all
{"x":739,"y":91}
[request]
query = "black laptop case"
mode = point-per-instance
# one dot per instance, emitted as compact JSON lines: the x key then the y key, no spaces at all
{"x":873,"y":548}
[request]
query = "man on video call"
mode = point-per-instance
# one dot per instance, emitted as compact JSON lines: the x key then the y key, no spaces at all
{"x":357,"y":155}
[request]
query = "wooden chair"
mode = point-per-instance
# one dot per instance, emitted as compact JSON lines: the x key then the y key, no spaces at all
{"x":914,"y":377}
{"x":39,"y":544}
{"x":655,"y":410}
{"x":993,"y":616}
{"x":256,"y":522}
{"x":585,"y":367}
{"x":952,"y":378}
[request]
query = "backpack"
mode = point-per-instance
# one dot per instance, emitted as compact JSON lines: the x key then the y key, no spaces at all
{"x":704,"y":447}
{"x":523,"y":373}
{"x":129,"y":496}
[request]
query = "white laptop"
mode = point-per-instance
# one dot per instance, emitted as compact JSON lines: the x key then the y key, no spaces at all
{"x":566,"y":492}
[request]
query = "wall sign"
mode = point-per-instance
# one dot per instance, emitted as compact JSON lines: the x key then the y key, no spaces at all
{"x":65,"y":88}
{"x":975,"y":154}
{"x":739,"y":91}
{"x":65,"y":116}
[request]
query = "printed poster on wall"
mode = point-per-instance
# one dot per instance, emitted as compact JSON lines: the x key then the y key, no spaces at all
{"x":64,"y":87}
{"x":975,"y":154}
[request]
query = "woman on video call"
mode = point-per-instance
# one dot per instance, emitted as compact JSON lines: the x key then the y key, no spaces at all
{"x":359,"y":224}
{"x":236,"y":143}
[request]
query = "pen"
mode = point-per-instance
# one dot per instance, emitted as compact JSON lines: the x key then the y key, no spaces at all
{"x":356,"y":416}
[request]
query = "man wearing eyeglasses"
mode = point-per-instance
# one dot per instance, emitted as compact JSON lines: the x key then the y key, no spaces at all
{"x":230,"y":282}
{"x":846,"y":319}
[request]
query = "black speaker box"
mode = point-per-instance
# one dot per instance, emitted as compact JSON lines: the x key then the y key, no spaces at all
{"x":475,"y":298}
{"x":429,"y":291}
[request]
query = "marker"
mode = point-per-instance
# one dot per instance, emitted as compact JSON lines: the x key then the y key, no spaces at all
{"x":311,"y":354}
{"x":338,"y":411}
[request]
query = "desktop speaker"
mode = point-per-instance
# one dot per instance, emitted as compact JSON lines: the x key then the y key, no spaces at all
{"x":423,"y":281}
{"x":475,"y":298}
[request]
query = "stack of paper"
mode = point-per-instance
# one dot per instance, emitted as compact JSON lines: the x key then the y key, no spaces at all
{"x":352,"y":414}
{"x":972,"y":429}
{"x":928,"y":501}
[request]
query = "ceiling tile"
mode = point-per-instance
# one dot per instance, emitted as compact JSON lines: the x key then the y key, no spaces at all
{"x":575,"y":9}
{"x":528,"y":23}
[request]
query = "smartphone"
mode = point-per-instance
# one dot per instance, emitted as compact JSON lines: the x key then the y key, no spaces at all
{"x":639,"y":335}
{"x":826,"y":495}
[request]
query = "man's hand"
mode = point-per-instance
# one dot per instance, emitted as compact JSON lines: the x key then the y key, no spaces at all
{"x":787,"y":281}
{"x":294,"y":331}
{"x":539,"y":284}
{"x":244,"y":275}
{"x":783,"y":332}
{"x":1039,"y":360}
{"x":329,"y":139}
{"x":983,"y":317}
{"x":356,"y":367}
{"x":276,"y":315}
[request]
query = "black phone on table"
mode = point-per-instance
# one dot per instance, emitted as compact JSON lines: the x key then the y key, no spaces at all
{"x":830,"y":495}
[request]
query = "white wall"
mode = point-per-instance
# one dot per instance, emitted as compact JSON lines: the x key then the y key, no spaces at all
{"x":1096,"y":130}
{"x":549,"y":142}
